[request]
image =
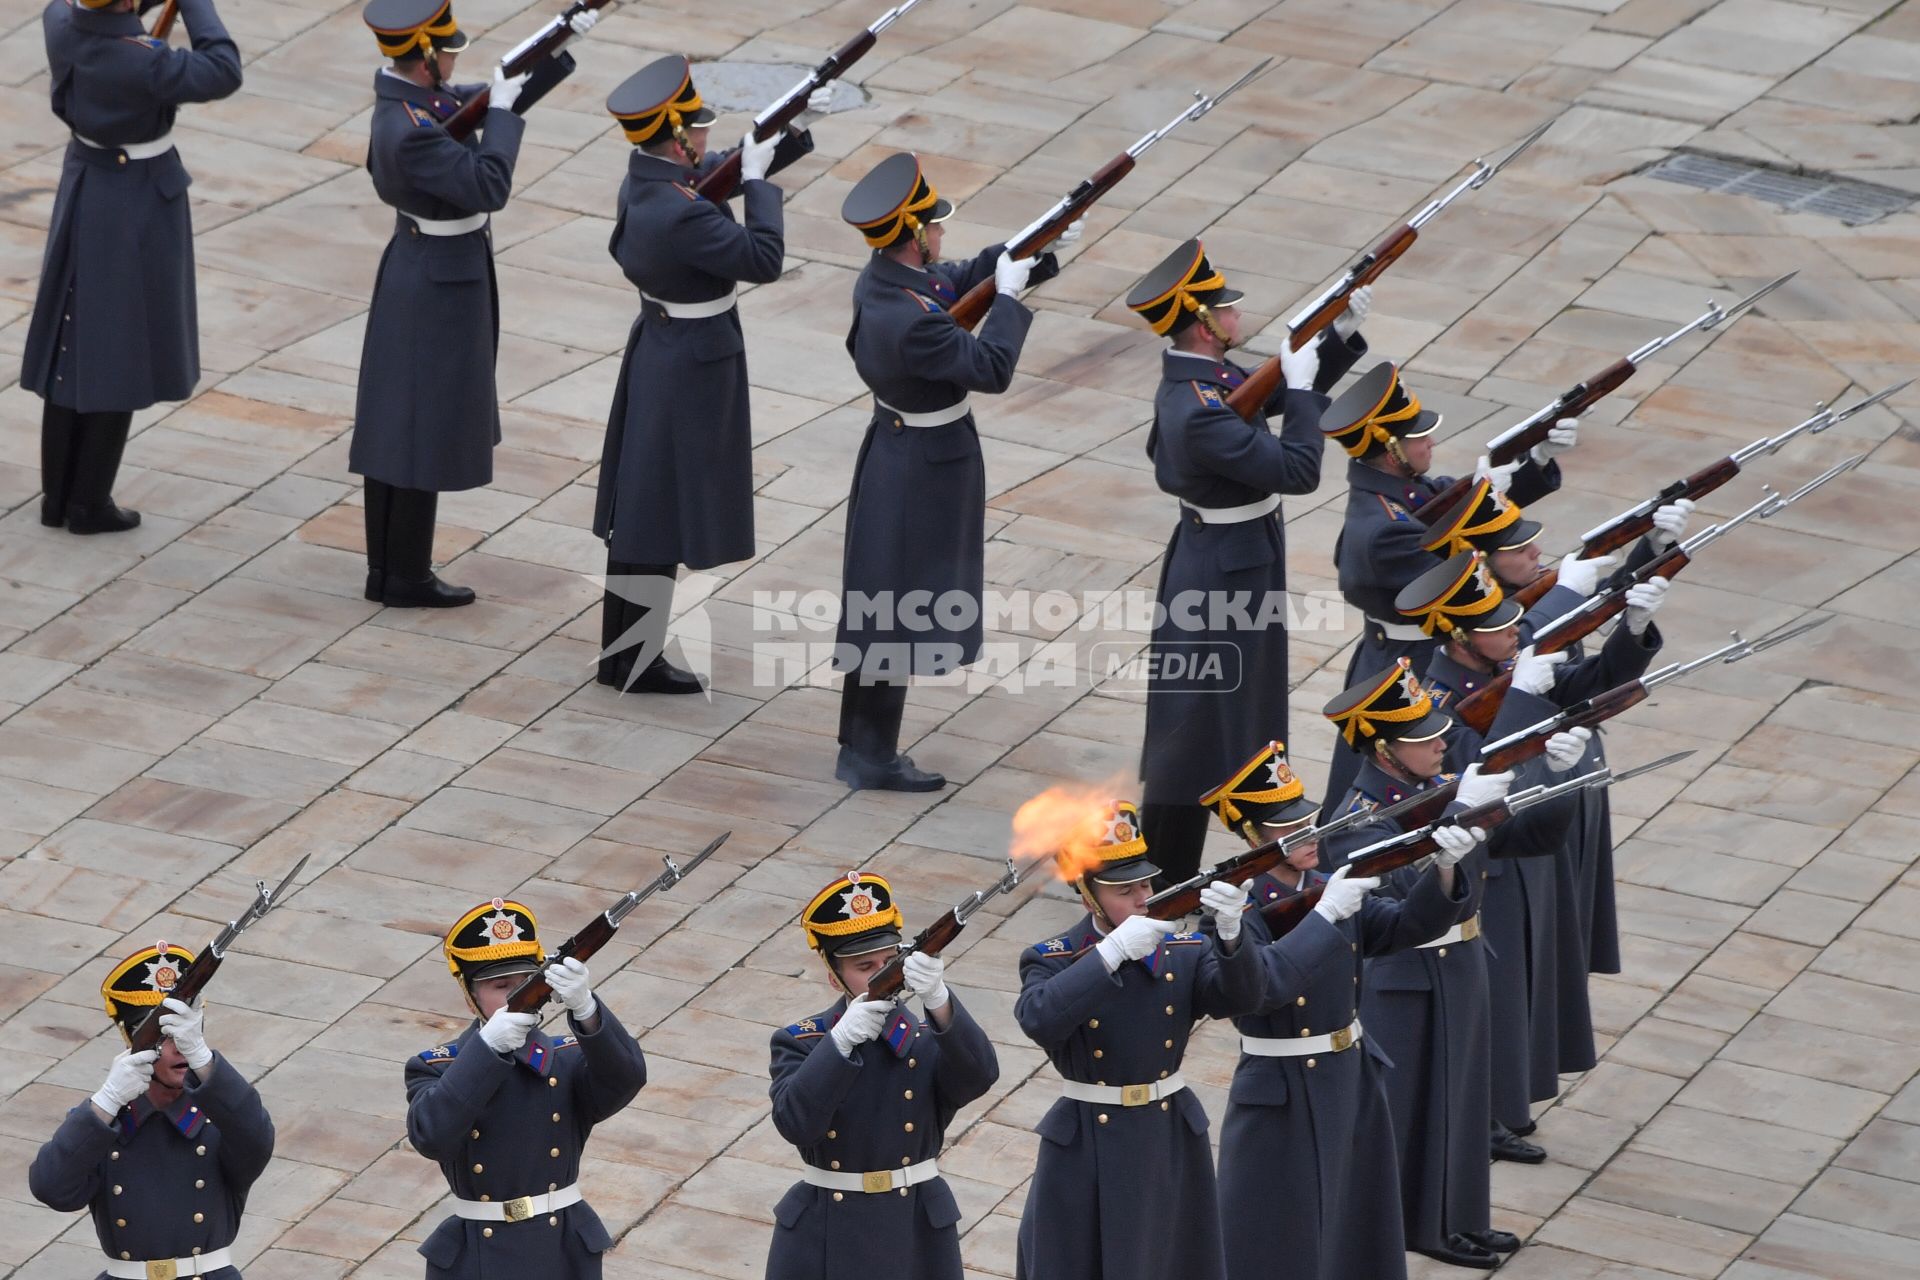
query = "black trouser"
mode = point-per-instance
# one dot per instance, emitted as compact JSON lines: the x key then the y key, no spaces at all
{"x":400,"y":531}
{"x":621,"y":612}
{"x":1175,"y":835}
{"x":79,"y":459}
{"x":870,"y":715}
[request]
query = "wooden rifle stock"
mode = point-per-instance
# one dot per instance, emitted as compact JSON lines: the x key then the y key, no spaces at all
{"x":530,"y":995}
{"x":1250,"y":397}
{"x":1283,"y":914}
{"x":163,"y":26}
{"x":973,"y":305}
{"x":1571,"y":404}
{"x":1593,"y":712}
{"x":721,"y":181}
{"x":1627,"y":530}
{"x":930,"y":941}
{"x":188,"y":986}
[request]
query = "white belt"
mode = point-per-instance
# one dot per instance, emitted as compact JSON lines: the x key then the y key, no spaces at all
{"x":1236,"y":515}
{"x":135,"y":151}
{"x":1125,"y":1095}
{"x":447,"y":226}
{"x":518,"y":1209}
{"x":1340,"y":1041}
{"x":1465,"y":931}
{"x":693,"y":310}
{"x":938,"y":418}
{"x":168,"y":1268}
{"x":1398,"y":630}
{"x":876,"y":1183}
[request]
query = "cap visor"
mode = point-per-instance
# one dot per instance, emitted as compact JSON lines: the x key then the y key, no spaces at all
{"x":701,"y":118}
{"x":1227,"y":298}
{"x":505,"y":969}
{"x":1424,"y":424}
{"x":861,"y":944}
{"x":1290,"y":814}
{"x":1132,"y":871}
{"x":942,"y":210}
{"x":1522,"y":533}
{"x":1428,"y":729}
{"x":1504,"y":615}
{"x":455,"y":43}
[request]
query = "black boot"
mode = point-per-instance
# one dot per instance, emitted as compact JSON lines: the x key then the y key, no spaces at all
{"x":870,"y":756}
{"x":1497,"y":1241}
{"x":379,"y":500}
{"x":59,"y":444}
{"x":90,"y":509}
{"x":1508,"y":1145}
{"x":1461,"y":1251}
{"x":409,"y":581}
{"x":621,"y":613}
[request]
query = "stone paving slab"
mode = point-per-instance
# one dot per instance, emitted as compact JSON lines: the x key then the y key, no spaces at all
{"x":205,"y":701}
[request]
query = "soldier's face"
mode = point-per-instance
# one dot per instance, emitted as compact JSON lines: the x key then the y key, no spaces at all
{"x":856,"y":972}
{"x":936,"y":236}
{"x":1516,"y":566}
{"x":446,"y":61}
{"x":1122,"y":901}
{"x":170,"y":1068}
{"x":1422,"y":759}
{"x":1497,"y":646}
{"x":1304,"y":857}
{"x":1419,"y":454}
{"x":490,"y":993}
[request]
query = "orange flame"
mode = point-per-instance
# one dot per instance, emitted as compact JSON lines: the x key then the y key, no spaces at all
{"x":1065,"y":824}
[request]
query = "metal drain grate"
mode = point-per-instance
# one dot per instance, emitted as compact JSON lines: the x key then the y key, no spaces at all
{"x":1853,"y":203}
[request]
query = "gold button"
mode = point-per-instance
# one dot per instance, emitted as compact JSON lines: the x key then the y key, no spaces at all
{"x":199,"y":1184}
{"x":553,"y":1219}
{"x":556,"y":1117}
{"x":199,"y":1151}
{"x":1169,"y":1044}
{"x":1163,"y":1075}
{"x":553,"y":1082}
{"x":125,"y":1254}
{"x":913,"y":1062}
{"x":553,"y":1186}
{"x":833,"y":1164}
{"x":831,"y":1133}
{"x":114,"y":1156}
{"x":479,"y":1168}
{"x":909,"y":1095}
{"x":1102,"y":1117}
{"x":1169,"y":977}
{"x":1165,"y":1106}
{"x":196,"y":1251}
{"x":1099,"y":1053}
{"x":116,"y":1188}
{"x":1312,"y":1063}
{"x":1169,"y":1010}
{"x":199,"y":1217}
{"x":909,"y":1126}
{"x":1300,"y":1000}
{"x":1443,"y":951}
{"x":487,"y":1232}
{"x":555,"y":1153}
{"x":903,"y":1191}
{"x":906,"y":1159}
{"x":123,"y":157}
{"x":837,"y":1197}
{"x":1093,"y":1024}
{"x":486,"y":1197}
{"x":119,"y":1222}
{"x":1304,"y":1031}
{"x":474,"y":1134}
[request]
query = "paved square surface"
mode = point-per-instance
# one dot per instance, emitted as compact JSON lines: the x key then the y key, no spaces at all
{"x":194,"y":705}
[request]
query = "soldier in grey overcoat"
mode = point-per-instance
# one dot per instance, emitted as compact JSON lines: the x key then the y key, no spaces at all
{"x":165,"y":1153}
{"x":676,"y":473}
{"x":1383,"y":544}
{"x":505,"y":1109}
{"x":866,"y":1091}
{"x":115,"y":324}
{"x":427,"y":415}
{"x":914,"y":567}
{"x":1228,"y":548}
{"x":1306,"y":1112}
{"x":1124,"y":1185}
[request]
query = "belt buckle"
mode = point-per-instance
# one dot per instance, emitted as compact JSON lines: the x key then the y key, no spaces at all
{"x":1470,"y":930}
{"x":163,"y":1269}
{"x":877,"y":1183}
{"x":518,"y":1209}
{"x":1135,"y":1095}
{"x":1342,"y":1039}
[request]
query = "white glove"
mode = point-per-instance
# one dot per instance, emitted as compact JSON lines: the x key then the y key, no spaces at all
{"x":1455,"y":843}
{"x":1071,"y":236}
{"x":1342,"y":897}
{"x":860,"y":1023}
{"x":1010,"y":274}
{"x":927,"y":978}
{"x":1133,"y":939}
{"x":1670,"y":523}
{"x":1561,"y":436}
{"x":506,"y":89}
{"x":184,"y":1025}
{"x":756,"y":158}
{"x":584,"y":21}
{"x":820,"y":100}
{"x":127,"y":1079}
{"x":1533,"y":672}
{"x":1301,"y":367}
{"x":506,"y":1030}
{"x":1477,"y":788}
{"x":1359,"y":303}
{"x":1584,"y":576}
{"x":1225,"y":903}
{"x":574,"y":985}
{"x":1501,"y":476}
{"x":1565,"y":750}
{"x":1643,"y":601}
